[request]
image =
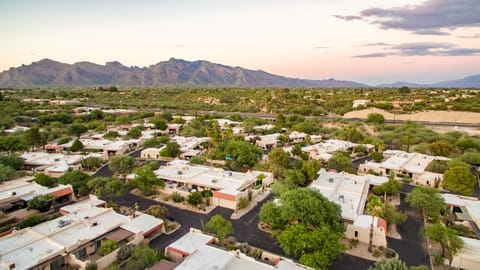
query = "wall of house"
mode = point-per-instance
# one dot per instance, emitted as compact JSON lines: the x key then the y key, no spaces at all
{"x":379,"y":235}
{"x":70,"y":259}
{"x":460,"y":262}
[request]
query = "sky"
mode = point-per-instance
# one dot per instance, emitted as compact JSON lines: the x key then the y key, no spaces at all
{"x":367,"y":41}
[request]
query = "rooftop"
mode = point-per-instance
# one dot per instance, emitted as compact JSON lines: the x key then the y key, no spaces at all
{"x":347,"y":190}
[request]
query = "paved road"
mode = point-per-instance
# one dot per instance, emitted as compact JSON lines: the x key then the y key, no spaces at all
{"x":412,"y":248}
{"x":245,"y":229}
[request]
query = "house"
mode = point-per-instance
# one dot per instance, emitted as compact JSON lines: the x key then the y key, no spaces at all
{"x":351,"y":192}
{"x":151,"y":153}
{"x":360,"y":102}
{"x":323,"y":151}
{"x":366,"y":227}
{"x":227,"y":187}
{"x":466,"y":209}
{"x":74,"y":239}
{"x":15,"y":194}
{"x":264,"y":141}
{"x":107,"y":147}
{"x":52,"y":164}
{"x":173,"y":129}
{"x":401,"y":163}
{"x":195,"y":250}
{"x":467,"y":258}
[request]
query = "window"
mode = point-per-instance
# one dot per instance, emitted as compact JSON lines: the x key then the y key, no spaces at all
{"x":356,"y":233}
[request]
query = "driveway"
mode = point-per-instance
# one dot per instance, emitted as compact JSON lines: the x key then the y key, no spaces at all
{"x":412,"y":248}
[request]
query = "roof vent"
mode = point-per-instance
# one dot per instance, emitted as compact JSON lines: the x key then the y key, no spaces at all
{"x":330,"y":180}
{"x":214,"y":180}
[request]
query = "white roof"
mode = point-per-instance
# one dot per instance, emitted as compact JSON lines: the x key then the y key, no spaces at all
{"x":347,"y":190}
{"x":103,"y":144}
{"x":188,"y":143}
{"x":192,"y":241}
{"x":471,"y":204}
{"x":471,"y":248}
{"x":203,"y":256}
{"x":365,"y":221}
{"x":47,"y":159}
{"x":264,"y":127}
{"x":222,"y":123}
{"x":36,"y":252}
{"x":92,"y":201}
{"x":226,"y":181}
{"x":26,"y":191}
{"x":264,"y":138}
{"x":142,"y":223}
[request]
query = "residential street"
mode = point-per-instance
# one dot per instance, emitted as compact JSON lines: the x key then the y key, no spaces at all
{"x":245,"y":229}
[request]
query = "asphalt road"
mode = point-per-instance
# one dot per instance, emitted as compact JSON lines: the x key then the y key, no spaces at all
{"x":245,"y":230}
{"x":412,"y":248}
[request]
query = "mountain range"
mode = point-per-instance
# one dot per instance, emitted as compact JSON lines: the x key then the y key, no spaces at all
{"x":174,"y":72}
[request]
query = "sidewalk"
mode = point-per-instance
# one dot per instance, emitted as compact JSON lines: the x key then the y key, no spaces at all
{"x":239,"y":213}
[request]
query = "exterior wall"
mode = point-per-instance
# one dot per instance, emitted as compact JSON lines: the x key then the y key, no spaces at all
{"x":150,"y":154}
{"x":110,"y":258}
{"x":459,"y":262}
{"x":379,"y":235}
{"x":175,"y":255}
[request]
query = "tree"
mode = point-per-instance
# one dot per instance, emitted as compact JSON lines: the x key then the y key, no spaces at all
{"x":12,"y":161}
{"x":92,"y":163}
{"x":427,"y":199}
{"x":472,"y":158}
{"x":76,"y":130}
{"x":44,"y":180}
{"x":293,"y":178}
{"x":377,"y":156}
{"x":77,"y":179}
{"x":107,"y":246}
{"x":157,"y":210}
{"x":194,"y":198}
{"x":77,"y":145}
{"x":309,"y":224}
{"x":159,"y":122}
{"x":172,"y":149}
{"x":243,"y":152}
{"x":280,"y":120}
{"x":310,"y":169}
{"x":219,"y":226}
{"x":106,"y":187}
{"x":33,"y":137}
{"x":459,"y":179}
{"x":375,"y":118}
{"x":404,"y":90}
{"x":391,"y":187}
{"x":389,"y":264}
{"x":278,"y":161}
{"x":443,"y":148}
{"x":341,"y":162}
{"x":135,"y":133}
{"x":145,"y":180}
{"x":41,"y":203}
{"x":11,"y":144}
{"x":446,"y":237}
{"x":122,"y":164}
{"x":6,"y":172}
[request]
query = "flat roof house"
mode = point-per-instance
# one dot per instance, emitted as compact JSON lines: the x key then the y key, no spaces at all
{"x":404,"y":163}
{"x":351,"y":192}
{"x":194,"y":250}
{"x":73,"y":239}
{"x":228,"y":187}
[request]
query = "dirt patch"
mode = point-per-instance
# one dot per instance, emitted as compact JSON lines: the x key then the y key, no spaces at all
{"x":428,"y":116}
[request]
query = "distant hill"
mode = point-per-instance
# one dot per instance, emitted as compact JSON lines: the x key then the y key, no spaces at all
{"x":467,"y":82}
{"x":174,"y":72}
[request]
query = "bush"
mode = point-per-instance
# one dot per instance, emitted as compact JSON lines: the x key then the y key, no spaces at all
{"x":176,"y":197}
{"x":44,"y":180}
{"x":12,"y":161}
{"x":91,"y":266}
{"x":196,"y":160}
{"x":92,"y":163}
{"x":195,"y":198}
{"x":107,"y":246}
{"x":41,"y":203}
{"x":29,"y":222}
{"x":157,"y":210}
{"x":6,"y":172}
{"x":243,"y":203}
{"x":124,"y":252}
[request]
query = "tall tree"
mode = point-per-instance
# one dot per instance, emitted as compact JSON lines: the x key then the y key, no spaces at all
{"x":11,"y":144}
{"x":122,"y":164}
{"x":427,"y":199}
{"x":278,"y":161}
{"x":77,"y":129}
{"x":106,"y":187}
{"x":145,"y":180}
{"x":341,"y":162}
{"x":33,"y":137}
{"x":77,"y":179}
{"x":446,"y":237}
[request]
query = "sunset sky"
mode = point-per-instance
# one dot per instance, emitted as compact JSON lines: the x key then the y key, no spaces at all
{"x":368,"y":41}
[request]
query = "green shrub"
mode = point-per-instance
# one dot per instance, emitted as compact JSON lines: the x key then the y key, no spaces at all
{"x":124,"y":252}
{"x":107,"y":246}
{"x":41,"y":203}
{"x":195,"y":198}
{"x":243,"y":203}
{"x":176,"y":197}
